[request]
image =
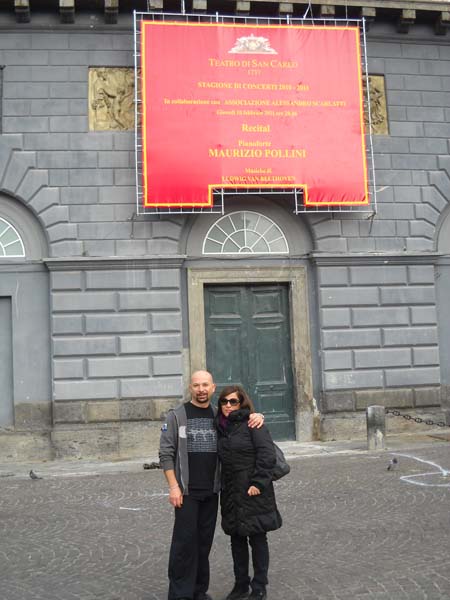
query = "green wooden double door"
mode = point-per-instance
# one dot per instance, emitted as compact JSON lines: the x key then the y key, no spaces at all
{"x":248,"y":342}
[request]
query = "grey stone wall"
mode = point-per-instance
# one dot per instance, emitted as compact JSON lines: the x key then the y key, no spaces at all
{"x":115,"y":277}
{"x":379,"y":334}
{"x":378,"y":314}
{"x":116,"y":342}
{"x":45,"y":100}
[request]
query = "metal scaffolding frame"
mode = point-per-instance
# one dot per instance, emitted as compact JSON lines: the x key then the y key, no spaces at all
{"x":296,"y":195}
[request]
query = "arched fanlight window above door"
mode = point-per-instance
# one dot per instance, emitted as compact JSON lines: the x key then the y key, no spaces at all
{"x":11,"y":245}
{"x":245,"y":232}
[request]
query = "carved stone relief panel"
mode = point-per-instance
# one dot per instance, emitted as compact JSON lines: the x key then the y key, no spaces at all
{"x":378,"y":106}
{"x":111,"y":99}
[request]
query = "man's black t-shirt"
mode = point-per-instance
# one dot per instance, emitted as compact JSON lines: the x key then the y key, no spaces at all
{"x":202,"y":449}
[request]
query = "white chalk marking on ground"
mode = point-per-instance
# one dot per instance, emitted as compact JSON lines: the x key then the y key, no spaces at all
{"x":411,"y":478}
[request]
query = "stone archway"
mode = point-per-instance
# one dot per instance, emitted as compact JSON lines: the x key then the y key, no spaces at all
{"x":22,"y":181}
{"x":25,"y":392}
{"x":298,"y":234}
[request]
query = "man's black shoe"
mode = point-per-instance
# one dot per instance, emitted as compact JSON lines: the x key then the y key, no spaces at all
{"x":202,"y":596}
{"x":239,"y":592}
{"x":258,"y":595}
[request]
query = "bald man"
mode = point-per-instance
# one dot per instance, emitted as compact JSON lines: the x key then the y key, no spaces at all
{"x":188,"y":456}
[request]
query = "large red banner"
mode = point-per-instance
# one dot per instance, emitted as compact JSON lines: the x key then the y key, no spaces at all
{"x":249,"y":106}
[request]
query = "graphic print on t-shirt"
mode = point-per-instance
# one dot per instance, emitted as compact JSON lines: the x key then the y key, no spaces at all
{"x":202,"y":448}
{"x":201,"y":435}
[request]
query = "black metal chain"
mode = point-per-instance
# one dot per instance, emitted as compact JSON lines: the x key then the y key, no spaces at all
{"x":397,"y":413}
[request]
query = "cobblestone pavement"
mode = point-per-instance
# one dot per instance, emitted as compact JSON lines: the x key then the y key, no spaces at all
{"x":353,"y":530}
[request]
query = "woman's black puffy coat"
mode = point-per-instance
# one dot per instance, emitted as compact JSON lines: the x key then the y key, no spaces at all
{"x":247,"y":457}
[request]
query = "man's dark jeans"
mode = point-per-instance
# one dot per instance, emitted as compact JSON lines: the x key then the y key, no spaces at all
{"x":192,"y":538}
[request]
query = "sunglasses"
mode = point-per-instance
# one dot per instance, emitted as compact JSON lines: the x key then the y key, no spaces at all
{"x":232,"y":402}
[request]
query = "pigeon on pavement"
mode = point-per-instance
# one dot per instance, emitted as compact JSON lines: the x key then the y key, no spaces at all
{"x":393,"y":463}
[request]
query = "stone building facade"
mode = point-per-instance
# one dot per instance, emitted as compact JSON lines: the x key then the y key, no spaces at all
{"x":102,"y":310}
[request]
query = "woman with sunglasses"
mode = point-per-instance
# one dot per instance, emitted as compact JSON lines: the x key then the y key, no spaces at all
{"x":247,"y":496}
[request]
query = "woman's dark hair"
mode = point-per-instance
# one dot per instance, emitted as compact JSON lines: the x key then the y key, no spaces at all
{"x":244,"y":398}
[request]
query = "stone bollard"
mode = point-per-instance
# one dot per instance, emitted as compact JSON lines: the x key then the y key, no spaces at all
{"x":376,"y":427}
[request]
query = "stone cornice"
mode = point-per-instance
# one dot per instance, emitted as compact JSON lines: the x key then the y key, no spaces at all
{"x":385,"y":259}
{"x":111,"y":6}
{"x":16,"y":265}
{"x":321,"y":259}
{"x":389,"y":4}
{"x":70,"y":13}
{"x":111,"y":263}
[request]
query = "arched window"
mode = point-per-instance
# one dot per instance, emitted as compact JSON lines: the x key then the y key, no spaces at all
{"x":245,"y":232}
{"x":11,"y":245}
